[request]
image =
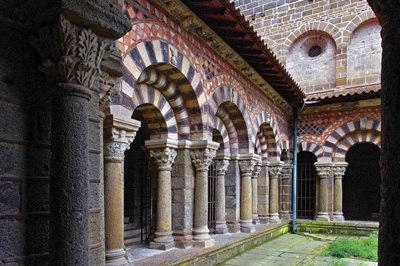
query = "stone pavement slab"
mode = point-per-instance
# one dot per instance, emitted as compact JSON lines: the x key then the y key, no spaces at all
{"x":289,"y":249}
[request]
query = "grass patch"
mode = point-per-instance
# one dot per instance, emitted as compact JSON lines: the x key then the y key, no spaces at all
{"x":364,"y":249}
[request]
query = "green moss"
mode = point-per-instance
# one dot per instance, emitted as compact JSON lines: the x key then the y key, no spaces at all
{"x":365,"y":249}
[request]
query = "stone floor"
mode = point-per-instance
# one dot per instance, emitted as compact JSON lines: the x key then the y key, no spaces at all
{"x":293,"y":250}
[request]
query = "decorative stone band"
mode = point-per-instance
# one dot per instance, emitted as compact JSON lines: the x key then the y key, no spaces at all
{"x":222,"y":166}
{"x":274,"y":169}
{"x":163,"y":157}
{"x":202,"y":154}
{"x":339,"y":169}
{"x":118,"y":135}
{"x":257,"y":170}
{"x":286,"y":171}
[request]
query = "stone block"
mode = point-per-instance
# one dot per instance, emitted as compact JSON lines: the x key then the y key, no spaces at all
{"x":94,"y":228}
{"x":10,"y":197}
{"x":13,"y":122}
{"x":96,"y":257}
{"x":37,"y":197}
{"x":37,"y":234}
{"x":12,"y":238}
{"x":16,"y":166}
{"x":94,"y":196}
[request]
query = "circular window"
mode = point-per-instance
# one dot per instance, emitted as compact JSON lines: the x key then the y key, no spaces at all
{"x":315,"y":51}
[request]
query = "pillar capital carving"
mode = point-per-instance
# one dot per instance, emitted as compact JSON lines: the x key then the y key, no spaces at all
{"x":163,"y":157}
{"x":257,"y":169}
{"x":286,"y":171}
{"x":222,"y":166}
{"x":339,"y":169}
{"x":323,"y":169}
{"x":118,"y":135}
{"x":274,"y":168}
{"x":202,"y":153}
{"x":247,"y":166}
{"x":202,"y":158}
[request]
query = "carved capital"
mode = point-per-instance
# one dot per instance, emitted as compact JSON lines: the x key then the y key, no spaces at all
{"x":118,"y":142}
{"x":247,"y":166}
{"x":323,"y":171}
{"x":202,"y":158}
{"x":257,"y":170}
{"x":164,"y":157}
{"x":222,"y":166}
{"x":339,"y":169}
{"x":274,"y":171}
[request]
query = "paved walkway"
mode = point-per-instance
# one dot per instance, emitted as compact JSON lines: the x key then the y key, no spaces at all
{"x":289,"y":249}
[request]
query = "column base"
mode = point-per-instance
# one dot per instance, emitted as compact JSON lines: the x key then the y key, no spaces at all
{"x":221,"y":227}
{"x":201,"y":233}
{"x":203,"y":243}
{"x":322,"y":216}
{"x":183,"y":239}
{"x":274,"y":218}
{"x":162,"y":246}
{"x":263,"y":219}
{"x":285,"y":215}
{"x":247,"y":226}
{"x":338,"y":216}
{"x":116,"y":257}
{"x":255,"y":219}
{"x":233,"y":227}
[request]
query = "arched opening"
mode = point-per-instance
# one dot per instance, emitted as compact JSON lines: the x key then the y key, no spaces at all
{"x":306,"y":185}
{"x":361,"y":183}
{"x":140,"y":182}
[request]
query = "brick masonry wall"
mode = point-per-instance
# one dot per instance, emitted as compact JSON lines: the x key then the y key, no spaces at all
{"x":283,"y":23}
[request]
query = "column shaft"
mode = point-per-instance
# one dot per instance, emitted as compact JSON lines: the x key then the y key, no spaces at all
{"x":246,"y":169}
{"x":274,"y":169}
{"x":221,"y":227}
{"x":323,"y":171}
{"x":69,"y":205}
{"x":338,"y":171}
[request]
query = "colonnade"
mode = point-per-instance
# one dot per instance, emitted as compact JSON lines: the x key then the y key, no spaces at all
{"x":264,"y":189}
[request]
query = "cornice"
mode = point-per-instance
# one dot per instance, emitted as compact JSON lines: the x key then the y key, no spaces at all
{"x":188,"y":20}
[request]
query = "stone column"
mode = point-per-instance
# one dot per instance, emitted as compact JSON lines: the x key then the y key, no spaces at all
{"x":247,"y":163}
{"x":285,"y":190}
{"x":274,"y":169}
{"x":388,"y":12}
{"x":164,"y":153}
{"x":254,"y":190}
{"x":202,"y":153}
{"x":263,"y":194}
{"x":338,"y":171}
{"x":222,"y":164}
{"x":323,"y":171}
{"x":118,"y":135}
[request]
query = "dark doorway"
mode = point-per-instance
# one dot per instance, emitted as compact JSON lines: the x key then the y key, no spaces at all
{"x":361,"y":183}
{"x":138,"y":189}
{"x":306,"y":185}
{"x":212,"y":179}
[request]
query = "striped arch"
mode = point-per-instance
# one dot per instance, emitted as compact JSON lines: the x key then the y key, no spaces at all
{"x":232,"y":107}
{"x":322,"y":26}
{"x":357,"y":21}
{"x":224,"y":141}
{"x":261,"y":145}
{"x":267,"y":133}
{"x":223,"y":116}
{"x":345,"y":143}
{"x":153,"y":52}
{"x":363,"y":124}
{"x":311,"y":147}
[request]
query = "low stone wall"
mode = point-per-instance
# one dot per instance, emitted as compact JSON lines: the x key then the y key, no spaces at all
{"x":346,"y":228}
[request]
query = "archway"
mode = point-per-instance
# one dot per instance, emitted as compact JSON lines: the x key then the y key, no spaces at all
{"x":306,"y":185}
{"x":361,"y":183}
